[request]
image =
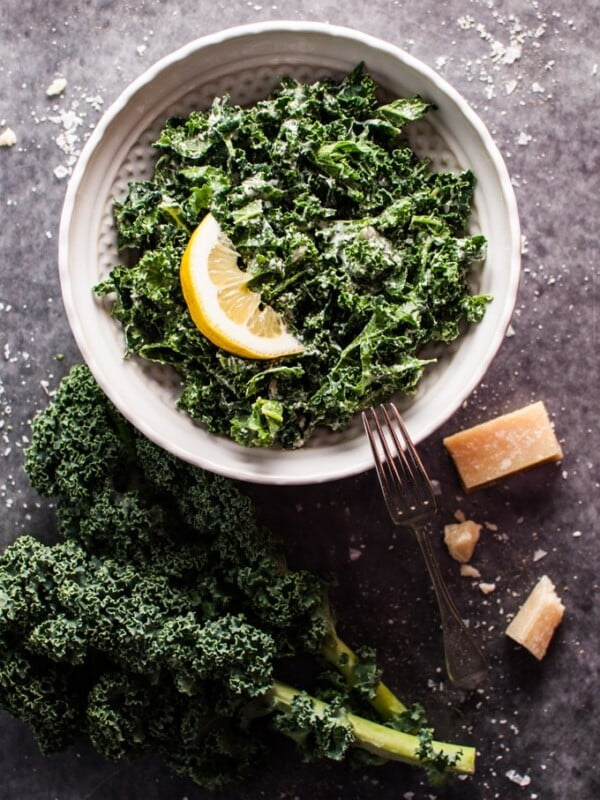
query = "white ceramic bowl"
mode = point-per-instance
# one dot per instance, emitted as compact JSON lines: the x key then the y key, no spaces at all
{"x":247,"y":62}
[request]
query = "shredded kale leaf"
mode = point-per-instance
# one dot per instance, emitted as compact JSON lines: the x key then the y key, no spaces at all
{"x":362,"y":248}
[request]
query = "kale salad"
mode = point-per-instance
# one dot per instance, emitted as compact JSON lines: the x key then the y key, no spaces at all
{"x":342,"y":229}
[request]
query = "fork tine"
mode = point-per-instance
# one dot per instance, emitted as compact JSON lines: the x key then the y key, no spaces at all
{"x":402,"y":490}
{"x":410,"y":456}
{"x":384,"y":467}
{"x":400,"y":466}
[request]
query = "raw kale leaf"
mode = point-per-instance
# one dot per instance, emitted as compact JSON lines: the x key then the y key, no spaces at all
{"x":341,"y":228}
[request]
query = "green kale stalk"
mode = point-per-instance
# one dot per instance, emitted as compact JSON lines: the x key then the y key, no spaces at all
{"x":165,"y":617}
{"x":341,"y":228}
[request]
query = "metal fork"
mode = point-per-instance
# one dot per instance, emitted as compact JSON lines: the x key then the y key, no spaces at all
{"x":410,"y":500}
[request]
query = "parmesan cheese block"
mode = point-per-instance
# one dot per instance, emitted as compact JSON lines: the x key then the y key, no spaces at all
{"x":537,"y":619}
{"x":504,"y":445}
{"x":460,"y":539}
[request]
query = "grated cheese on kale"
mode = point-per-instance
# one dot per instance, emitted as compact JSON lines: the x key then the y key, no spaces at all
{"x":343,"y":230}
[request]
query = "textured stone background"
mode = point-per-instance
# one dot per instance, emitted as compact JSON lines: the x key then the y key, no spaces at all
{"x":530,"y":70}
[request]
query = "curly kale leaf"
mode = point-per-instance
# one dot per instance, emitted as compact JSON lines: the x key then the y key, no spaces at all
{"x":320,"y":731}
{"x":158,"y":622}
{"x":129,"y":715}
{"x":79,"y":439}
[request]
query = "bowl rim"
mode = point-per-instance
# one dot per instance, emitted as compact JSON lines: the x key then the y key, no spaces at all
{"x":241,"y":470}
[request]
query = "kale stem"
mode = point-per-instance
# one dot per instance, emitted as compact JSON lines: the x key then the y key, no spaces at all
{"x":384,"y":701}
{"x":378,"y":739}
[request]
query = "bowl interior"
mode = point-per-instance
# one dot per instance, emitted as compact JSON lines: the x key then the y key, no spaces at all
{"x":247,"y":63}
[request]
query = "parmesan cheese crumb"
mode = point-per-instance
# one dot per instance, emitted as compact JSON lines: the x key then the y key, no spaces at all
{"x":487,"y":588}
{"x":460,"y":539}
{"x":8,"y":138}
{"x":534,"y":624}
{"x":57,"y":87}
{"x":467,"y":571}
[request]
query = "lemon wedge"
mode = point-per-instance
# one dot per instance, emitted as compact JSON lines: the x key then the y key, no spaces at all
{"x":220,"y":303}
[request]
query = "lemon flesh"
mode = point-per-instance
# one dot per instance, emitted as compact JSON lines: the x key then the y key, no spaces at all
{"x":220,"y":303}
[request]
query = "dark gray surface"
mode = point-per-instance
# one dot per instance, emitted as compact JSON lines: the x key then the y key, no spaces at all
{"x":530,"y":70}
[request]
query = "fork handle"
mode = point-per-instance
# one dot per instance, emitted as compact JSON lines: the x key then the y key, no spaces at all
{"x":465,"y":663}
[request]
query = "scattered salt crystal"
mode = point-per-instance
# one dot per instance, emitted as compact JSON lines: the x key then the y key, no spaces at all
{"x":507,"y":55}
{"x":539,"y":554}
{"x":57,"y":87}
{"x":60,"y":172}
{"x":354,"y":553}
{"x":8,"y":138}
{"x":141,"y":49}
{"x":510,"y":86}
{"x":524,"y":138}
{"x":520,"y":780}
{"x":440,"y":62}
{"x":69,"y":120}
{"x":510,"y":331}
{"x":466,"y":22}
{"x":576,"y":534}
{"x":96,"y":101}
{"x":487,"y":588}
{"x":535,"y":87}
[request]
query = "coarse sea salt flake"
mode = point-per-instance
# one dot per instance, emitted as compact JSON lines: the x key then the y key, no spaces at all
{"x":60,"y":172}
{"x":465,"y":22}
{"x":520,"y":780}
{"x":512,"y":53}
{"x":95,"y":101}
